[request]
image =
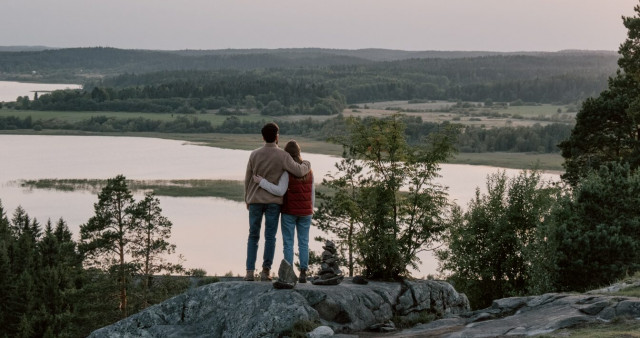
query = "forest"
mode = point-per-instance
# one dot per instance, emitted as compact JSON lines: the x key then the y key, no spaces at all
{"x":301,"y":80}
{"x":55,"y":286}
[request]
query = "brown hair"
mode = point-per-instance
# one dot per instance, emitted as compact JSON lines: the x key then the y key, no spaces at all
{"x":293,"y":149}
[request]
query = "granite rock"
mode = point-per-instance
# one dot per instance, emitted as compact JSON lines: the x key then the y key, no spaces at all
{"x":287,"y":278}
{"x":529,"y":316}
{"x":244,"y":309}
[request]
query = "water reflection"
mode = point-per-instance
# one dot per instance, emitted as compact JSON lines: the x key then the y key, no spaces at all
{"x":210,"y":232}
{"x":10,"y":90}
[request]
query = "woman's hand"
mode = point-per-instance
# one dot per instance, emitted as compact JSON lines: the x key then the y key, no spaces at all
{"x":257,"y":179}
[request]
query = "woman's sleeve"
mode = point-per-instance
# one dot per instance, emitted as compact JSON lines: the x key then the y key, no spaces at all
{"x":280,"y":189}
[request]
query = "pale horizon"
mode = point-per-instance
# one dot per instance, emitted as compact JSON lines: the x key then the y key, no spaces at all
{"x":407,"y":25}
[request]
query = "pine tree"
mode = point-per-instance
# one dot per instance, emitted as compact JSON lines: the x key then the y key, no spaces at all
{"x":105,"y":238}
{"x":607,"y":127}
{"x":150,"y":235}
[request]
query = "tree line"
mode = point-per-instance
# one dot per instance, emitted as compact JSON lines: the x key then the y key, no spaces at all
{"x":272,"y":96}
{"x":54,"y":286}
{"x":552,"y":78}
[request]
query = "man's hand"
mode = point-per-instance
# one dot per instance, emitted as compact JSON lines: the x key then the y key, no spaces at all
{"x":257,"y":179}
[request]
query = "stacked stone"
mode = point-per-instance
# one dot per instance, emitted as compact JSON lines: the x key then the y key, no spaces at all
{"x":330,"y":273}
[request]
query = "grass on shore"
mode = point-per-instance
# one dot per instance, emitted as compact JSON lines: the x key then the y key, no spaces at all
{"x":227,"y":189}
{"x":543,"y":161}
{"x":232,"y":190}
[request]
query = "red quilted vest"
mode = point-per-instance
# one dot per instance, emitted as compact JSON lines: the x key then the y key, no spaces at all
{"x":297,"y":200}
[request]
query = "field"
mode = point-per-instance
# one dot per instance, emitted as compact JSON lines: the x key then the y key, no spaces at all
{"x":75,"y":116}
{"x":471,"y":113}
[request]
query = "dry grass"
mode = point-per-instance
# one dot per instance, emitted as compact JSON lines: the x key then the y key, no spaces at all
{"x":620,"y":327}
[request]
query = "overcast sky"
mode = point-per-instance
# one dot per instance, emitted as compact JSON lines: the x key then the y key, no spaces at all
{"x":489,"y":25}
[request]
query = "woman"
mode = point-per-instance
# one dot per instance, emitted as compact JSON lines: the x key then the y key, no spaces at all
{"x":296,"y":210}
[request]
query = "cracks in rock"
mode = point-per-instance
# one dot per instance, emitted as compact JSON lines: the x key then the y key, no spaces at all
{"x":183,"y":312}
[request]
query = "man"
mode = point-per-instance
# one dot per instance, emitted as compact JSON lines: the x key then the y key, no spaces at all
{"x":269,"y":162}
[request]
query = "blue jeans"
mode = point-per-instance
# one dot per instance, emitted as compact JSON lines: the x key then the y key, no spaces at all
{"x":256,"y":211}
{"x":300,"y":225}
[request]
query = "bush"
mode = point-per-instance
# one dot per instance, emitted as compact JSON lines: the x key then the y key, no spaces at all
{"x":381,"y":228}
{"x":596,"y":230}
{"x":197,"y":272}
{"x":488,"y":248}
{"x":208,"y":280}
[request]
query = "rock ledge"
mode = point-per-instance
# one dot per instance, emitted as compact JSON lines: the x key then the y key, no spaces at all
{"x":528,"y":316}
{"x":256,"y":309}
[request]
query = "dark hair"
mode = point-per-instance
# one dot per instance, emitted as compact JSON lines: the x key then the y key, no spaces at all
{"x":269,"y":132}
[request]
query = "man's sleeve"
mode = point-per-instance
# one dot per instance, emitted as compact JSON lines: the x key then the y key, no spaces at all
{"x":247,"y":178}
{"x":295,"y":168}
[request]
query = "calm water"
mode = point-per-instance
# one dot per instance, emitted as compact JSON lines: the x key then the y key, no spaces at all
{"x":210,"y":232}
{"x":10,"y":90}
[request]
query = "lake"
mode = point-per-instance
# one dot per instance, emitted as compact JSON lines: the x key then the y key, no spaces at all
{"x":211,"y":233}
{"x":10,"y":90}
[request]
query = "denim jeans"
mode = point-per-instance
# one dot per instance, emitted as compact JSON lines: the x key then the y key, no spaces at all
{"x":256,"y":211}
{"x":300,"y":225}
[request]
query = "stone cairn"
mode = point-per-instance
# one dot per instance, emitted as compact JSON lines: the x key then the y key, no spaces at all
{"x":330,"y":273}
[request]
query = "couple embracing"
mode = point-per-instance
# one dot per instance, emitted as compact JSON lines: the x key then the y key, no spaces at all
{"x":292,"y":195}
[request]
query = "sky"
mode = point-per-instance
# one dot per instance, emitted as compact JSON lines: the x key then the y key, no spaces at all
{"x":462,"y":25}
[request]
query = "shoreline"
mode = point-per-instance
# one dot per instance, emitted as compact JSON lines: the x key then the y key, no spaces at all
{"x":545,"y":162}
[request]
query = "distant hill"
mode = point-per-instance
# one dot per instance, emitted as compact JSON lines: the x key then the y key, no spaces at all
{"x":111,"y":61}
{"x":23,"y":48}
{"x":376,"y":54}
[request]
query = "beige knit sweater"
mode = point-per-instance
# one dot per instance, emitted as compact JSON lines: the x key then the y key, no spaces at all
{"x":269,"y":162}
